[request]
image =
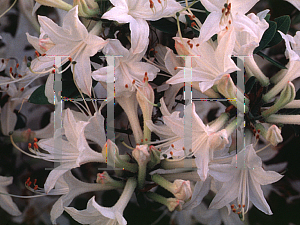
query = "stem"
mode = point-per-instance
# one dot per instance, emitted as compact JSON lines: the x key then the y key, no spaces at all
{"x":163,"y":182}
{"x":142,"y":175}
{"x":255,"y":71}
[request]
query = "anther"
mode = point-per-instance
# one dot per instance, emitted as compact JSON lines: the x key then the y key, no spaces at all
{"x":43,"y":54}
{"x":10,"y":70}
{"x":126,"y":85}
{"x":22,"y":89}
{"x":35,"y":187}
{"x":233,"y":210}
{"x":183,"y":148}
{"x":70,"y":59}
{"x":53,"y":71}
{"x":229,"y":21}
{"x":175,"y":68}
{"x":146,"y":74}
{"x":197,"y":45}
{"x":244,"y":206}
{"x":258,"y":130}
{"x":239,"y":205}
{"x":29,"y":145}
{"x":2,"y":60}
{"x":171,"y":153}
{"x":17,"y":66}
{"x":172,"y":145}
{"x":146,"y":139}
{"x":35,"y":139}
{"x":34,"y":182}
{"x":226,"y":28}
{"x":133,"y":81}
{"x":223,"y":10}
{"x":20,"y":76}
{"x":142,"y":140}
{"x":193,"y":24}
{"x":232,"y":206}
{"x":35,"y":145}
{"x":37,"y":54}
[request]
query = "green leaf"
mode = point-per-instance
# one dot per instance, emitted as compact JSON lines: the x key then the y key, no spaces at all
{"x":267,"y":37}
{"x":166,"y":25}
{"x":267,"y":18}
{"x":38,"y":96}
{"x":249,"y":84}
{"x":275,"y":63}
{"x":283,"y":24}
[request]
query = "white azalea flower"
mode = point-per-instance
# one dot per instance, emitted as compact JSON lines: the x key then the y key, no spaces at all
{"x":72,"y":188}
{"x":136,"y":12}
{"x":98,"y":215}
{"x":72,"y":39}
{"x":242,"y":180}
{"x":209,"y":64}
{"x":129,"y":70}
{"x":73,"y":152}
{"x":225,"y":14}
{"x":205,"y":140}
{"x":6,"y":202}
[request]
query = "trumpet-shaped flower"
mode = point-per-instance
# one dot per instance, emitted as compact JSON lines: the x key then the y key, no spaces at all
{"x":136,"y":12}
{"x":73,"y":40}
{"x":209,"y":63}
{"x":72,"y":153}
{"x":204,"y":139}
{"x":70,"y":188}
{"x":226,"y":14}
{"x":129,"y":71}
{"x":6,"y":202}
{"x":242,"y":182}
{"x":98,"y":215}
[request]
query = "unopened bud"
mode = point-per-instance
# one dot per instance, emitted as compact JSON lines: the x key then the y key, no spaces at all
{"x":274,"y":135}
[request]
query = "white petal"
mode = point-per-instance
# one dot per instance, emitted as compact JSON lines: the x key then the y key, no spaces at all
{"x":263,"y":177}
{"x":210,"y":26}
{"x":139,"y":35}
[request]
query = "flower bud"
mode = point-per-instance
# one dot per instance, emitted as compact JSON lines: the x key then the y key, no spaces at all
{"x":182,"y":189}
{"x":274,"y":135}
{"x":141,"y":154}
{"x":287,"y":95}
{"x":56,"y":3}
{"x":174,"y":203}
{"x":155,"y":157}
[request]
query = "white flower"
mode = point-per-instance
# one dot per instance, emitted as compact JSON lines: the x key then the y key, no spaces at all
{"x":6,"y":202}
{"x":204,"y":140}
{"x":71,"y":188}
{"x":226,"y":14}
{"x":242,"y":180}
{"x":209,"y":64}
{"x":129,"y":70}
{"x":98,"y":215}
{"x":72,"y":153}
{"x":72,"y":39}
{"x":136,"y":12}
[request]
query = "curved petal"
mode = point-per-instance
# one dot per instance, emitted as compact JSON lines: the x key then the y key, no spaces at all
{"x":139,"y":35}
{"x":257,"y":197}
{"x":263,"y":177}
{"x":210,"y":26}
{"x":118,"y":14}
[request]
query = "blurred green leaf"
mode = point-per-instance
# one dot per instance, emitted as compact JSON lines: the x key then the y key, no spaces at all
{"x":267,"y":37}
{"x":283,"y":24}
{"x":38,"y":96}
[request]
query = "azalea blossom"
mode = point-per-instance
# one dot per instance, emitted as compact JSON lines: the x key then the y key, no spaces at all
{"x":73,"y":152}
{"x":73,"y":40}
{"x":129,"y":71}
{"x":136,"y":12}
{"x":226,"y":14}
{"x":71,"y":188}
{"x":96,"y":214}
{"x":242,"y":180}
{"x":205,"y":139}
{"x":209,"y":63}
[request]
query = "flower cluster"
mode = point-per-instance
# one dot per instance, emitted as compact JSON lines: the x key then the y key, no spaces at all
{"x":123,"y":101}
